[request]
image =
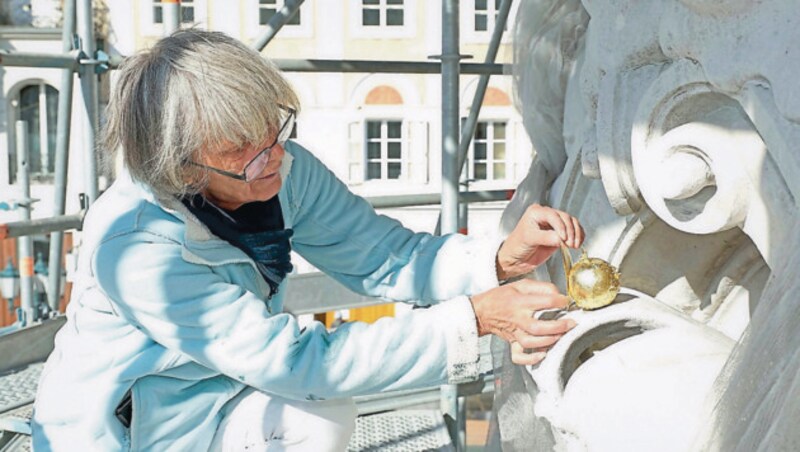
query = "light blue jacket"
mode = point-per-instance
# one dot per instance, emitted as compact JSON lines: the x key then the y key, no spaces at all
{"x":182,"y":318}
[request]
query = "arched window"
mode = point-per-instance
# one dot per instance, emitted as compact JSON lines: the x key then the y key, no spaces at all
{"x":496,"y":98}
{"x":36,"y":103}
{"x":384,"y":136}
{"x":383,"y":95}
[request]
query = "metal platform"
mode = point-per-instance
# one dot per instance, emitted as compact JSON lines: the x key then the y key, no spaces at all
{"x":406,"y":420}
{"x":18,"y":387}
{"x":402,"y":430}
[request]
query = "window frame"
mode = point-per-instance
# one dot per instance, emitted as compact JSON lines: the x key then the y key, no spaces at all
{"x":470,"y":35}
{"x":407,"y":30}
{"x":384,"y":141}
{"x":304,"y":30}
{"x":160,"y":4}
{"x":149,"y":26}
{"x":490,"y":161}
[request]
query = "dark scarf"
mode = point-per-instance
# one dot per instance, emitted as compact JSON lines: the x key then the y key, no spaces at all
{"x":256,"y":228}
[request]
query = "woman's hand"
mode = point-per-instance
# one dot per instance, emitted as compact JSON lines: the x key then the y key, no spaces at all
{"x":539,"y":233}
{"x":508,"y":312}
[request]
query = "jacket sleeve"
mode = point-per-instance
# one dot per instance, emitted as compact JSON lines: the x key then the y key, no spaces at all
{"x":340,"y":233}
{"x":191,"y":309}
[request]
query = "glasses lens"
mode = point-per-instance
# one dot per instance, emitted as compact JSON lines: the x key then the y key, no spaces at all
{"x":255,"y":167}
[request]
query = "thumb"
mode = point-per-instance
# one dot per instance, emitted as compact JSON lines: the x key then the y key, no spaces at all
{"x":530,"y":286}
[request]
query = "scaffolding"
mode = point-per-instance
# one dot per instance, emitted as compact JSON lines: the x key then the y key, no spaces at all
{"x":79,"y":56}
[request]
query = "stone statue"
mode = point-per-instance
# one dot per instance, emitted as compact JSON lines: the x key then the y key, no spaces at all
{"x":670,"y":128}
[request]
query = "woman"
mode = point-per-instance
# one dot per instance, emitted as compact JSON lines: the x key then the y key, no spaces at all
{"x":175,"y":338}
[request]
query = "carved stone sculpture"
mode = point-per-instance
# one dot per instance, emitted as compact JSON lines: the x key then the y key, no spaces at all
{"x":671,"y":129}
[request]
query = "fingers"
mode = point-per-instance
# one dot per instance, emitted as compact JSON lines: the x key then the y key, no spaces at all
{"x":549,"y":327}
{"x":538,"y":342}
{"x":538,"y":295}
{"x":547,"y":217}
{"x":525,"y":358}
{"x":567,"y":227}
{"x":530,"y":350}
{"x":580,"y":235}
{"x":546,"y":237}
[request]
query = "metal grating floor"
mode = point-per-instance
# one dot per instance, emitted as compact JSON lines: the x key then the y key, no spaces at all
{"x":18,"y":443}
{"x":401,"y":431}
{"x":19,"y":387}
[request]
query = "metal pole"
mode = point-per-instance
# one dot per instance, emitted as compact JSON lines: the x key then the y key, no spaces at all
{"x":422,"y":199}
{"x":62,"y":160}
{"x":275,"y":23}
{"x":450,"y":74}
{"x":452,"y":409}
{"x":361,"y":66}
{"x":25,"y":243}
{"x":171,"y":12}
{"x":384,"y":67}
{"x":41,"y":225}
{"x":463,"y":207}
{"x":491,"y":54}
{"x":468,"y":128}
{"x":67,"y":60}
{"x":89,"y":96}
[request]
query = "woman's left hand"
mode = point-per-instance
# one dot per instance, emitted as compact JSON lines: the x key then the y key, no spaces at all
{"x":538,"y":234}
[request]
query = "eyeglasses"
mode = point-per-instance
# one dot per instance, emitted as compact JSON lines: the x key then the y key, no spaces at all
{"x":257,"y":164}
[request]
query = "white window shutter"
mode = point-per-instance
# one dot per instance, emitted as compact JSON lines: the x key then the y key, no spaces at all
{"x":418,"y":150}
{"x":356,"y":155}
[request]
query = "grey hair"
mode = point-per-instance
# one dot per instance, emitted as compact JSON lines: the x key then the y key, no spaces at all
{"x":193,"y":92}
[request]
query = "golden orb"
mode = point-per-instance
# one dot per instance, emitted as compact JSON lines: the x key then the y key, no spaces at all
{"x":591,"y":282}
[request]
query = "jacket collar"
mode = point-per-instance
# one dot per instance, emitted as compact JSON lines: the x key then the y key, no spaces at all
{"x":200,"y":244}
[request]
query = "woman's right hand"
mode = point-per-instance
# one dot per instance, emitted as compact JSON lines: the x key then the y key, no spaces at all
{"x":508,"y":312}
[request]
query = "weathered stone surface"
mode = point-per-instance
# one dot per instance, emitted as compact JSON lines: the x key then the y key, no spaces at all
{"x":670,"y":128}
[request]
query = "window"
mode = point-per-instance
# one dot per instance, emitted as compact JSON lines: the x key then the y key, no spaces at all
{"x":187,"y":11}
{"x":375,"y":13}
{"x":488,"y":159}
{"x":268,"y":8}
{"x":384,"y":140}
{"x":38,"y":105}
{"x":486,"y":14}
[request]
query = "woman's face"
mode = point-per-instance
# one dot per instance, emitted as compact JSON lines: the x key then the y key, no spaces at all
{"x":229,"y":193}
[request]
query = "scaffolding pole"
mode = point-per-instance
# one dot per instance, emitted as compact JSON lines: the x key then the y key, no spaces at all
{"x":452,"y":405}
{"x":475,"y":109}
{"x":25,"y":244}
{"x":427,"y":199}
{"x":67,"y":60}
{"x":468,"y":128}
{"x":383,"y":67}
{"x":62,"y":160}
{"x":89,"y":96}
{"x":41,"y":226}
{"x":276,"y":22}
{"x":359,"y":66}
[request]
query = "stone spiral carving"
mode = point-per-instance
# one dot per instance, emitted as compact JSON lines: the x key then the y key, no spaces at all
{"x":690,"y":148}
